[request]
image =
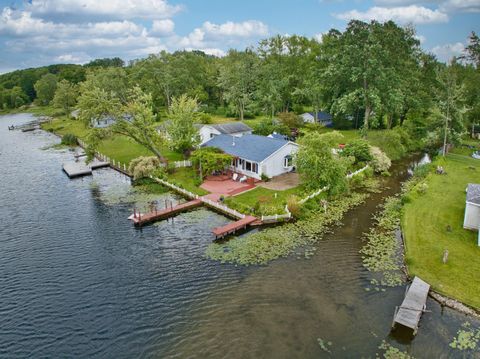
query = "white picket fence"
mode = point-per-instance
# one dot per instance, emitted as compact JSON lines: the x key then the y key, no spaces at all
{"x":278,"y":217}
{"x":357,"y":172}
{"x":176,"y":188}
{"x":222,"y":208}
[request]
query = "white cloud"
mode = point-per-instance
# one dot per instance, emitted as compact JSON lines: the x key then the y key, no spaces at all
{"x":403,"y":14}
{"x":79,"y":58}
{"x":116,"y":9}
{"x":460,"y":6}
{"x":421,"y":38}
{"x":211,"y":35}
{"x":162,"y":27}
{"x":447,"y":51}
{"x":319,"y":36}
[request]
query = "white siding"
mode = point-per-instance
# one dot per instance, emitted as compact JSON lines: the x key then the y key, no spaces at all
{"x":274,"y":165}
{"x":206,"y":133}
{"x":239,"y":169}
{"x":472,"y":217}
{"x":308,"y":118}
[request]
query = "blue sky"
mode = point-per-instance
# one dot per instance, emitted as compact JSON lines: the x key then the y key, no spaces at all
{"x":41,"y":32}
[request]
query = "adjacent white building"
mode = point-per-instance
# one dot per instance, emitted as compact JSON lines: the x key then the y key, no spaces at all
{"x":321,"y":117}
{"x":472,"y":208}
{"x":236,"y":129}
{"x":255,"y":155}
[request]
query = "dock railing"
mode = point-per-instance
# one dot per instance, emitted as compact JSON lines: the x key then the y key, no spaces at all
{"x":176,"y":188}
{"x":223,"y":208}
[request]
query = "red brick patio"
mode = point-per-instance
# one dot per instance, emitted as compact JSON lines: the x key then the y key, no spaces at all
{"x":224,"y":186}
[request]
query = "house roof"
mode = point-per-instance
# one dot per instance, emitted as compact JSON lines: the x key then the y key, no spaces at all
{"x":232,"y":127}
{"x":250,"y":147}
{"x":278,"y":136}
{"x":322,"y":116}
{"x":473,"y":193}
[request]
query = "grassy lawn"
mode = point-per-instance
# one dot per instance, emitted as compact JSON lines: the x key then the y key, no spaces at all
{"x":186,"y":178}
{"x":267,"y":202}
{"x":63,"y":125}
{"x":425,"y":223}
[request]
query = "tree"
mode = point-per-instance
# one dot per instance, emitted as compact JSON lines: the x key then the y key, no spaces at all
{"x":65,"y":96}
{"x":368,"y":67}
{"x":450,"y":97}
{"x":181,"y":130}
{"x":45,"y":88}
{"x":134,"y":120}
{"x":209,"y":160}
{"x":472,"y":51}
{"x":359,"y":149}
{"x":290,"y":120}
{"x":237,"y":79}
{"x":317,"y":165}
{"x":106,"y":62}
{"x":95,"y":104}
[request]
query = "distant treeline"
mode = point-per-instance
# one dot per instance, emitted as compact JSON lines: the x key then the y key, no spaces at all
{"x":372,"y":75}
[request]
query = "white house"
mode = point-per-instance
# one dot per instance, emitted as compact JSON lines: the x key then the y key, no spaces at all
{"x":236,"y":129}
{"x":255,"y":155}
{"x":472,"y":208}
{"x":323,"y":118}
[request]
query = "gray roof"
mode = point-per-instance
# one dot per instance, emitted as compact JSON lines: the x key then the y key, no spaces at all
{"x":473,"y":193}
{"x":232,"y":127}
{"x":250,"y":147}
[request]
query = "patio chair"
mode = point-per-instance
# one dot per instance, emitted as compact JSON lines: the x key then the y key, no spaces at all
{"x":243,"y":179}
{"x":235,"y":176}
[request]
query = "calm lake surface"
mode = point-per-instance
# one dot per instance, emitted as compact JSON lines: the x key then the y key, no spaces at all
{"x":78,"y":280}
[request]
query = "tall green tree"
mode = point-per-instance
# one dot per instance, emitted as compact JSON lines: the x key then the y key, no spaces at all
{"x":182,"y":133}
{"x":65,"y":96}
{"x":318,"y":166}
{"x":45,"y":88}
{"x":237,"y":79}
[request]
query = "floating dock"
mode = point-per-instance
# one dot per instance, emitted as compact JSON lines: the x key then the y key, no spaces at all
{"x":79,"y":169}
{"x":221,"y":232}
{"x":76,"y":169}
{"x":140,"y":219}
{"x":413,"y":305}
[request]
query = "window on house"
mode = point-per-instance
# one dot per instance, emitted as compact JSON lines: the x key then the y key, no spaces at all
{"x":248,"y":166}
{"x":287,"y":161}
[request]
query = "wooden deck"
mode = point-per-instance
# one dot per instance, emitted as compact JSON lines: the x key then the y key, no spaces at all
{"x":413,"y":305}
{"x":140,"y":219}
{"x":232,"y":227}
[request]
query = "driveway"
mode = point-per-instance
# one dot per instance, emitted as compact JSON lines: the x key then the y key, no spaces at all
{"x":282,"y":182}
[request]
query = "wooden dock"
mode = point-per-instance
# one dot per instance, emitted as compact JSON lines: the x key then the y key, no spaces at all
{"x":140,"y":219}
{"x":413,"y":305}
{"x":221,"y":232}
{"x":76,"y":169}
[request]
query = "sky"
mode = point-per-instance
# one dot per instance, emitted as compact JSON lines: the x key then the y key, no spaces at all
{"x":42,"y":32}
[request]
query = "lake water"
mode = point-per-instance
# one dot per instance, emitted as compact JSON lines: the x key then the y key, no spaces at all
{"x":78,"y":280}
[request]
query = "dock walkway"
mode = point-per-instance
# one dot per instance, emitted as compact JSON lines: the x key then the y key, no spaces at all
{"x":413,"y":305}
{"x":78,"y":169}
{"x":140,"y":219}
{"x":221,"y":232}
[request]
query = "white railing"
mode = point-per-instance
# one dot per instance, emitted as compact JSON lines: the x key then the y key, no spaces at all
{"x":314,"y":194}
{"x":357,"y":172}
{"x":176,"y":188}
{"x":184,"y":163}
{"x":222,"y":208}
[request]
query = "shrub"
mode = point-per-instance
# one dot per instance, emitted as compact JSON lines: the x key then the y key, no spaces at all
{"x":359,"y":149}
{"x":142,"y":167}
{"x":205,"y":118}
{"x":294,"y":206}
{"x":380,"y":161}
{"x":265,"y":178}
{"x":69,"y":139}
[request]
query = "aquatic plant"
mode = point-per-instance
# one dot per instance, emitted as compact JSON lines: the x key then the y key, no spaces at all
{"x":324,"y":345}
{"x":379,"y":254}
{"x":392,"y":353}
{"x":69,"y":139}
{"x":272,"y":243}
{"x":467,"y":338}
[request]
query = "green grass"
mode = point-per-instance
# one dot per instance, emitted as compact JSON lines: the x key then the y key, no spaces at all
{"x":186,"y":178}
{"x":63,"y":125}
{"x":425,"y":223}
{"x":267,"y":202}
{"x":124,"y":149}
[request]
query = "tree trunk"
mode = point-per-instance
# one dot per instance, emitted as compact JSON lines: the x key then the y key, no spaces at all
{"x":367,"y":116}
{"x":241,"y":110}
